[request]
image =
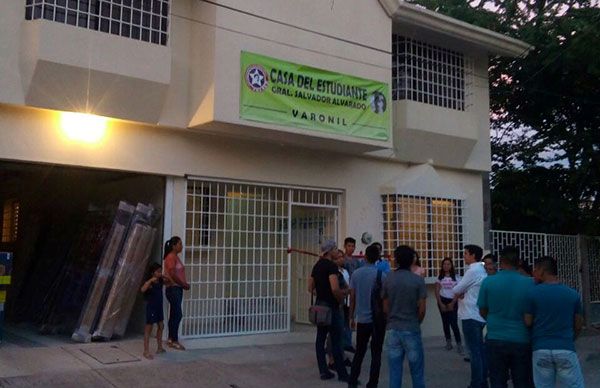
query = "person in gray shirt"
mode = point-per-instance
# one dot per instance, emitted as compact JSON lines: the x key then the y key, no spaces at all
{"x":404,"y":296}
{"x":365,"y":291}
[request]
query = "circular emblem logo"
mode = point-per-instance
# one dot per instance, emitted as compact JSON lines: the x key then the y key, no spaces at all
{"x":256,"y":78}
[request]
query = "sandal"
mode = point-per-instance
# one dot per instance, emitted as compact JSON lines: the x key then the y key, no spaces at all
{"x":175,"y":345}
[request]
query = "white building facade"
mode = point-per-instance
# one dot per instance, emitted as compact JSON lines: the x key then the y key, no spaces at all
{"x":168,"y":76}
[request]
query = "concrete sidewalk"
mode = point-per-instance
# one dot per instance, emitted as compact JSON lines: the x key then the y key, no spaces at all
{"x":277,"y":360}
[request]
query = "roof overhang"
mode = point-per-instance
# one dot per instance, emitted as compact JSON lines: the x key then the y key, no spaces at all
{"x":490,"y":41}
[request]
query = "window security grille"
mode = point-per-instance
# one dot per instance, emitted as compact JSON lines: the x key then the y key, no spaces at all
{"x":146,"y":20}
{"x":10,"y":221}
{"x":429,"y":74}
{"x":236,"y":257}
{"x":432,"y":226}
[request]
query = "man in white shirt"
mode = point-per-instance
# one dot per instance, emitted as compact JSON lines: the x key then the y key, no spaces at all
{"x":468,"y":312}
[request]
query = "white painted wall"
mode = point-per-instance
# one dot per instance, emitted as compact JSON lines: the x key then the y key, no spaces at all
{"x":194,"y":82}
{"x":351,"y":37}
{"x":32,"y":135}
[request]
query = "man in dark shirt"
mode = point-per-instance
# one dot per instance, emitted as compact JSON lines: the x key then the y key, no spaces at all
{"x":404,"y":296}
{"x":324,"y":281}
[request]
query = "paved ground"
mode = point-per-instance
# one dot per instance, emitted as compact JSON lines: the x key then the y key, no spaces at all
{"x":262,"y":364}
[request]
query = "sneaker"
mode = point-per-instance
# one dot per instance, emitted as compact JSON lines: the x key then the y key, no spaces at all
{"x":448,"y":345}
{"x":344,"y":379}
{"x":327,"y":376}
{"x":459,"y":349}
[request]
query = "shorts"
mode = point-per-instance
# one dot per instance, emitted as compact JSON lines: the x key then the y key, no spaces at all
{"x":154,"y":314}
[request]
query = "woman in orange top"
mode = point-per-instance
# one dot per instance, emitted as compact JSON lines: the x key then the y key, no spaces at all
{"x":174,"y":273}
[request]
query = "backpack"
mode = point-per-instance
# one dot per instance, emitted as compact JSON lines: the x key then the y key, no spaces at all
{"x":376,"y":301}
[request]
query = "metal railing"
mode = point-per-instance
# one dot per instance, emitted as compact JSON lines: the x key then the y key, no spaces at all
{"x":578,"y":259}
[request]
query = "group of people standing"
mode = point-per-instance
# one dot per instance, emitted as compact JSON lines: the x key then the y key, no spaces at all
{"x":532,"y":319}
{"x":532,"y":322}
{"x":383,"y":304}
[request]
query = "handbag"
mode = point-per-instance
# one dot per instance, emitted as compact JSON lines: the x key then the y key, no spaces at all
{"x":318,"y":314}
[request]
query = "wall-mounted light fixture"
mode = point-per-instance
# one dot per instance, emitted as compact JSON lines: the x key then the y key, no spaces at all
{"x":83,"y":127}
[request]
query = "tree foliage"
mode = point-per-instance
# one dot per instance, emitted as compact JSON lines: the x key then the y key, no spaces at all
{"x":545,"y":112}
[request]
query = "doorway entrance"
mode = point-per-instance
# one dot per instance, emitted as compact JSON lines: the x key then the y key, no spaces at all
{"x":310,"y":227}
{"x":55,"y":223}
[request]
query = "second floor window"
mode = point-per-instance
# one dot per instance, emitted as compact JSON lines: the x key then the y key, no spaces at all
{"x":429,"y":74}
{"x":145,"y":20}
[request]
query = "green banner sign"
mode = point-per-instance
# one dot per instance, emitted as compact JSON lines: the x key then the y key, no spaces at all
{"x":284,"y":93}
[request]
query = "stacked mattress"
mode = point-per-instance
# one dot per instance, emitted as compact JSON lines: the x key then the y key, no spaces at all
{"x":119,"y":274}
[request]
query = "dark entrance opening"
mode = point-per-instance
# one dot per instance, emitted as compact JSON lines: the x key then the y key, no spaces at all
{"x":55,"y":221}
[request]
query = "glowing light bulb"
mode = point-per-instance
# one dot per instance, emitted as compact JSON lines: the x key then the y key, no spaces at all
{"x":83,"y":127}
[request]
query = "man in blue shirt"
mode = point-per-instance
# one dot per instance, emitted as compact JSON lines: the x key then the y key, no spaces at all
{"x":553,"y":310}
{"x":370,"y":323}
{"x":382,"y":264}
{"x":502,"y":303}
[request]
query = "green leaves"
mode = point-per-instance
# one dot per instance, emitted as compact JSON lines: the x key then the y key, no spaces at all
{"x":545,"y":112}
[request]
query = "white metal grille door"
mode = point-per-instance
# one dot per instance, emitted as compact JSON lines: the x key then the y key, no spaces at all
{"x":236,"y":258}
{"x":531,"y":245}
{"x":591,"y":252}
{"x":310,"y":227}
{"x":564,"y":249}
{"x":535,"y":245}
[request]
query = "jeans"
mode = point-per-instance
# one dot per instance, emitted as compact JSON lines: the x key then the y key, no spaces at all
{"x":335,"y":331}
{"x":473,"y":332}
{"x":504,"y":356}
{"x":1,"y":320}
{"x":450,"y":320}
{"x":174,"y":296}
{"x":550,"y":366}
{"x":347,"y":335}
{"x":401,"y":343}
{"x":376,"y":333}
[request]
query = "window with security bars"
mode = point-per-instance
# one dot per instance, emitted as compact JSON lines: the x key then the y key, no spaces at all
{"x":432,"y":226}
{"x":429,"y":74}
{"x":145,"y":20}
{"x":10,"y":221}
